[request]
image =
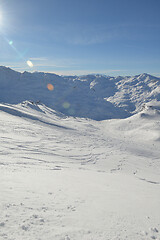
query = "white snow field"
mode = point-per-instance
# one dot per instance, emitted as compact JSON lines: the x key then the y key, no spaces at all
{"x":63,"y":177}
{"x":70,"y":178}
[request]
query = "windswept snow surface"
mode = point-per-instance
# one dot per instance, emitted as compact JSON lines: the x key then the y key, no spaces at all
{"x":67,"y":178}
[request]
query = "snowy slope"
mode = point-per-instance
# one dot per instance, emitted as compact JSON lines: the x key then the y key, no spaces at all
{"x":93,"y":96}
{"x":67,"y":178}
{"x":134,"y":92}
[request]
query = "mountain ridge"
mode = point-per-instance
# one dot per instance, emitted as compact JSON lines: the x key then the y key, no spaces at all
{"x":98,"y":97}
{"x":2,"y":67}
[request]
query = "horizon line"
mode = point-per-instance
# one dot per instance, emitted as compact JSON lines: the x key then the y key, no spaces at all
{"x":103,"y":73}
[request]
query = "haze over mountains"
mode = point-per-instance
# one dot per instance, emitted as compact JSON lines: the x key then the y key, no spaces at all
{"x":97,"y":97}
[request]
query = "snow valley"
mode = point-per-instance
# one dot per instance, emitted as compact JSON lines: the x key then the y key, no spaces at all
{"x":79,"y":157}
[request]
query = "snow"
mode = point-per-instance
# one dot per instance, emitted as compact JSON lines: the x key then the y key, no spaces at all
{"x":93,"y":96}
{"x":69,"y":178}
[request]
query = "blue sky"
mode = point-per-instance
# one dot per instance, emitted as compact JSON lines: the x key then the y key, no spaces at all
{"x":114,"y":37}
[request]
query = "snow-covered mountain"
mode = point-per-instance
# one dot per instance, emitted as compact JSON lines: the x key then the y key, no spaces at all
{"x":92,"y":96}
{"x":67,"y":178}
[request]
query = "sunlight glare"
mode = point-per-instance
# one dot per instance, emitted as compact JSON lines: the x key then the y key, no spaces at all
{"x":29,"y":63}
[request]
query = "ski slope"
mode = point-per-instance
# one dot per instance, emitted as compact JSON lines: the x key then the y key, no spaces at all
{"x":70,"y":178}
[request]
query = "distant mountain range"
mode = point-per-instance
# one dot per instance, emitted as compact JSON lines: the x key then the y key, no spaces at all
{"x":97,"y":97}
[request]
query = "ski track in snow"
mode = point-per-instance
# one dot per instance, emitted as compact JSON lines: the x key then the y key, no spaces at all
{"x":77,"y":179}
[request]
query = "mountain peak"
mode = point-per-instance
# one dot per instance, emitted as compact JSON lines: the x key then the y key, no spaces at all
{"x":93,"y":96}
{"x":4,"y":68}
{"x":144,"y":75}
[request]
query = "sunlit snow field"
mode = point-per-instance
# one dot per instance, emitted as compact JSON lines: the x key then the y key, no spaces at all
{"x":67,"y":178}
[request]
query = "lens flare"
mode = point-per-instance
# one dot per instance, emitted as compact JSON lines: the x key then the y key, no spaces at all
{"x":29,"y":63}
{"x":50,"y":87}
{"x":10,"y":42}
{"x":66,"y":105}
